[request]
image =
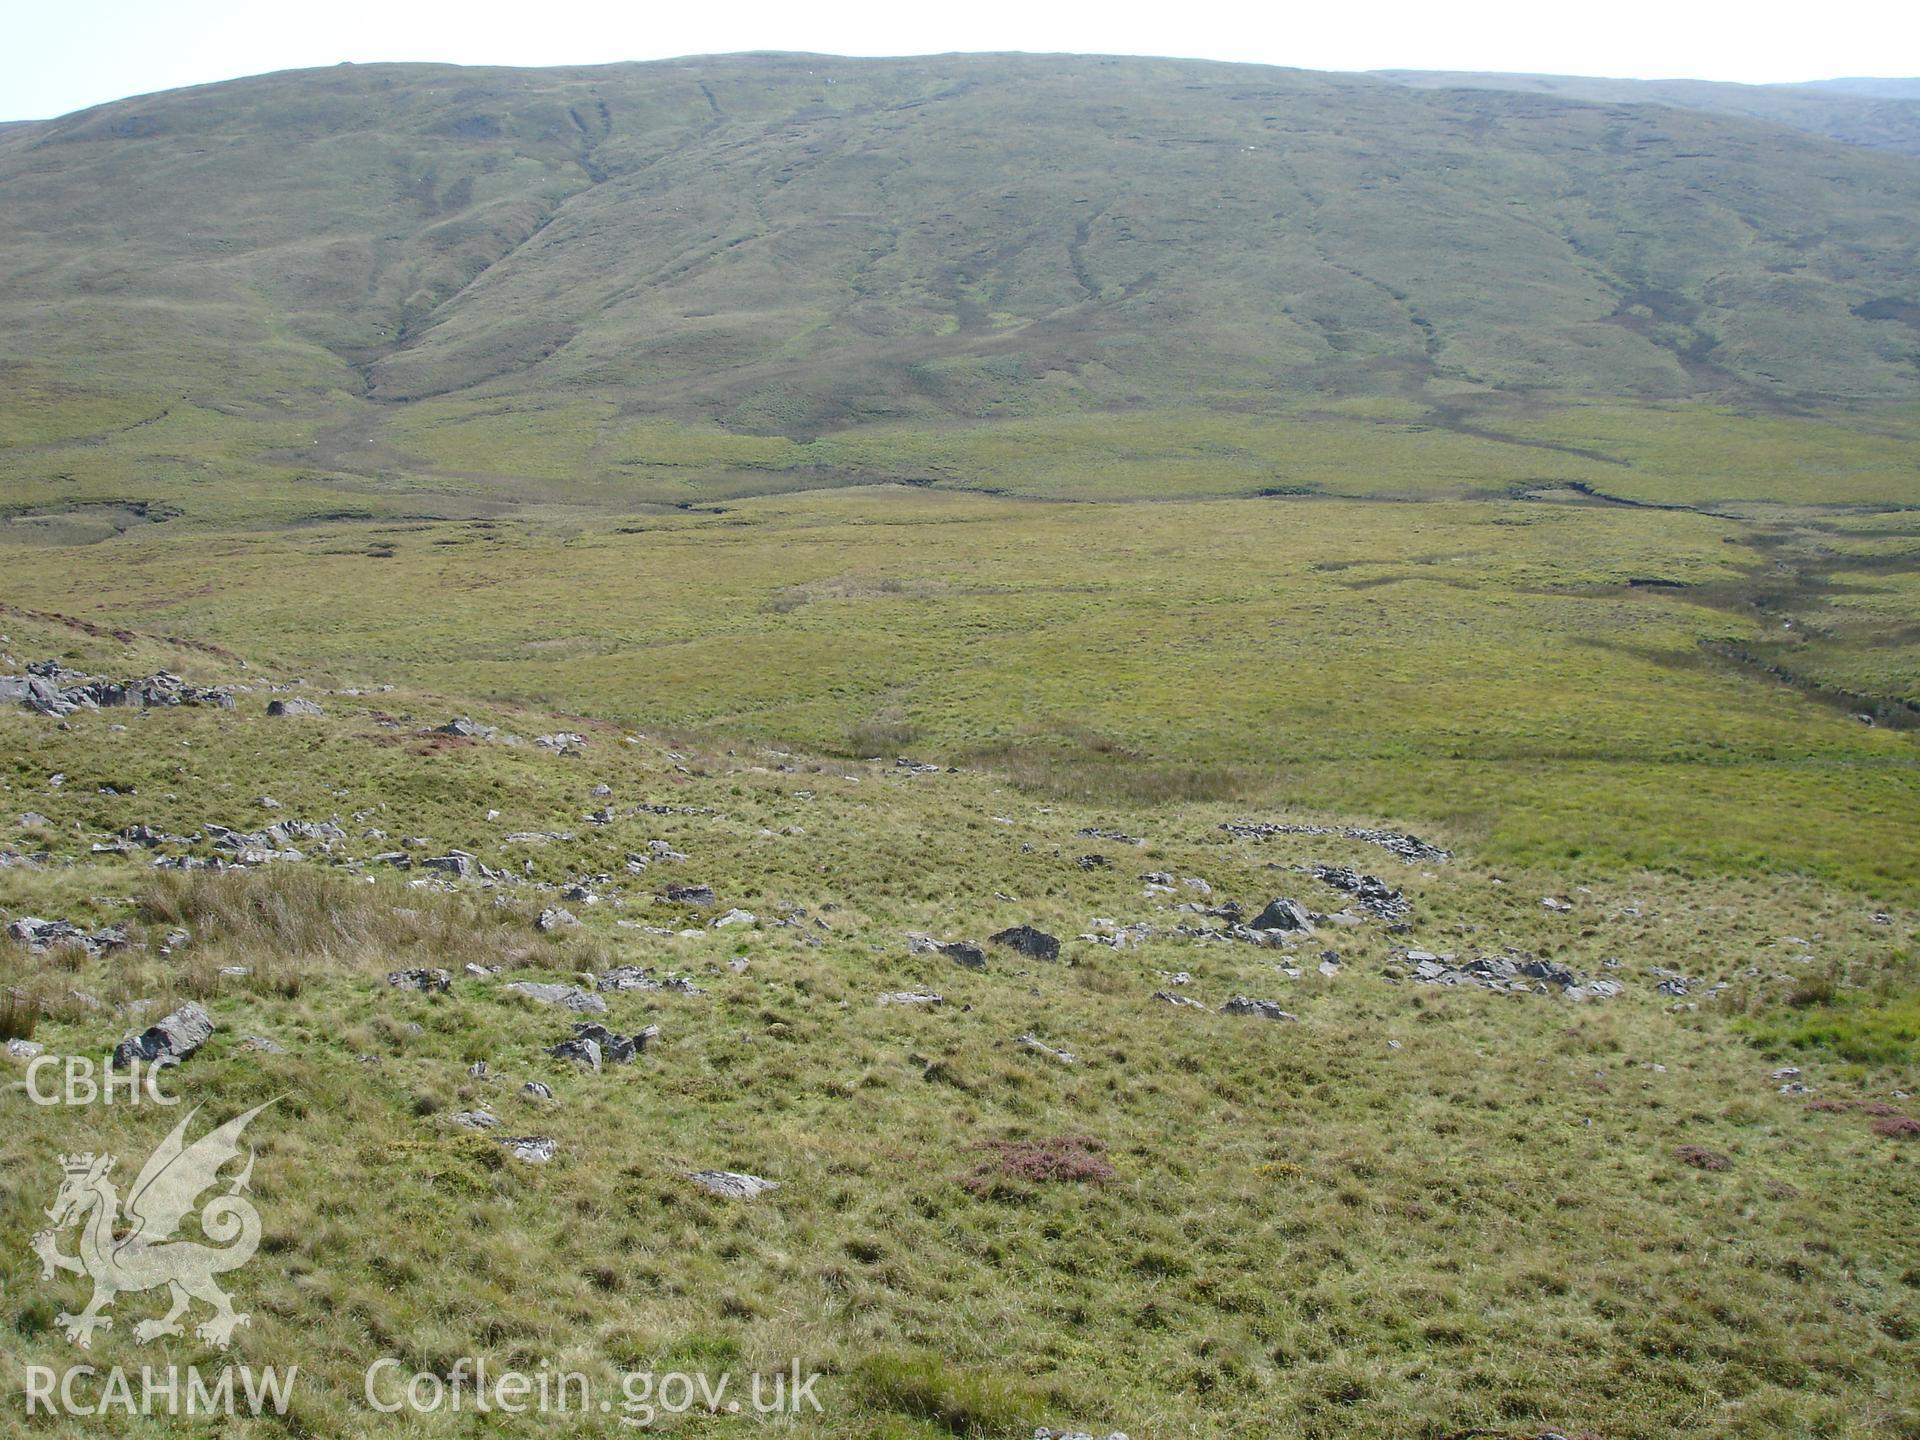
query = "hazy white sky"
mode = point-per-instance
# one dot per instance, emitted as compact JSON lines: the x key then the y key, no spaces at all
{"x":62,"y":56}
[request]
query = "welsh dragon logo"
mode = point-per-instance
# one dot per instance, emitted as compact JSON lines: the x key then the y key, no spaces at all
{"x":139,"y":1251}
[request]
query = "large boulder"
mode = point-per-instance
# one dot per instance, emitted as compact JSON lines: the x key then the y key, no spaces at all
{"x":1027,"y":941}
{"x":168,"y":1041}
{"x":1283,"y":914}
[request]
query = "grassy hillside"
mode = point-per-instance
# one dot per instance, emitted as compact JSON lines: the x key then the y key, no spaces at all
{"x":1879,"y":114}
{"x":1410,"y":1209}
{"x":799,"y":244}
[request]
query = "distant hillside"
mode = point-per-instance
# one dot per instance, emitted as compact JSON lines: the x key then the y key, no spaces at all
{"x":798,"y":245}
{"x":1878,"y":114}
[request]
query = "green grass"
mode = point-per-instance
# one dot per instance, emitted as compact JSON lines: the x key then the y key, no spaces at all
{"x":1308,"y":1230}
{"x":1484,"y":665}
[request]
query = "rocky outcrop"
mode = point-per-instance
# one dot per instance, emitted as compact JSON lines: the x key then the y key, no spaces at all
{"x":52,"y":689}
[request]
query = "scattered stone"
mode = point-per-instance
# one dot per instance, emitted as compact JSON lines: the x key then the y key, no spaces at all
{"x":464,"y":728}
{"x":700,"y":895}
{"x":733,"y":917}
{"x":1172,"y":999}
{"x":1409,"y":848}
{"x":292,"y":707}
{"x":1093,"y":862}
{"x":1518,"y":974}
{"x":731,"y":1184}
{"x":425,"y":981}
{"x":568,"y":997}
{"x":1556,"y":904}
{"x":40,"y":935}
{"x":168,"y":1041}
{"x":24,"y":1049}
{"x":1370,"y":893}
{"x":912,"y":997}
{"x":1027,"y":941}
{"x":1118,"y":837}
{"x":610,"y":1048}
{"x":641,"y":977}
{"x":553,"y":918}
{"x":1029,"y":1042}
{"x":532,"y":1149}
{"x":537,"y":1090}
{"x":474,"y":1120}
{"x":1264,"y":1009}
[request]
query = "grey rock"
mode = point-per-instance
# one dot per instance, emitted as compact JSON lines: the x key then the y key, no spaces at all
{"x":1283,"y":914}
{"x":642,"y":977}
{"x":292,"y":707}
{"x":1030,"y":1042}
{"x":1409,"y":848}
{"x":581,"y":1050}
{"x":912,"y":997}
{"x":24,"y":1049}
{"x":701,"y":895}
{"x":1027,"y":941}
{"x":1370,"y":893}
{"x":614,"y":1049}
{"x":530,"y":1149}
{"x":568,"y":997}
{"x":731,"y":1184}
{"x":1168,"y":997}
{"x":965,"y":953}
{"x":474,"y":1120}
{"x":553,"y":919}
{"x":1263,"y":1009}
{"x":425,"y":981}
{"x":537,"y":1090}
{"x":168,"y":1041}
{"x":262,"y":1044}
